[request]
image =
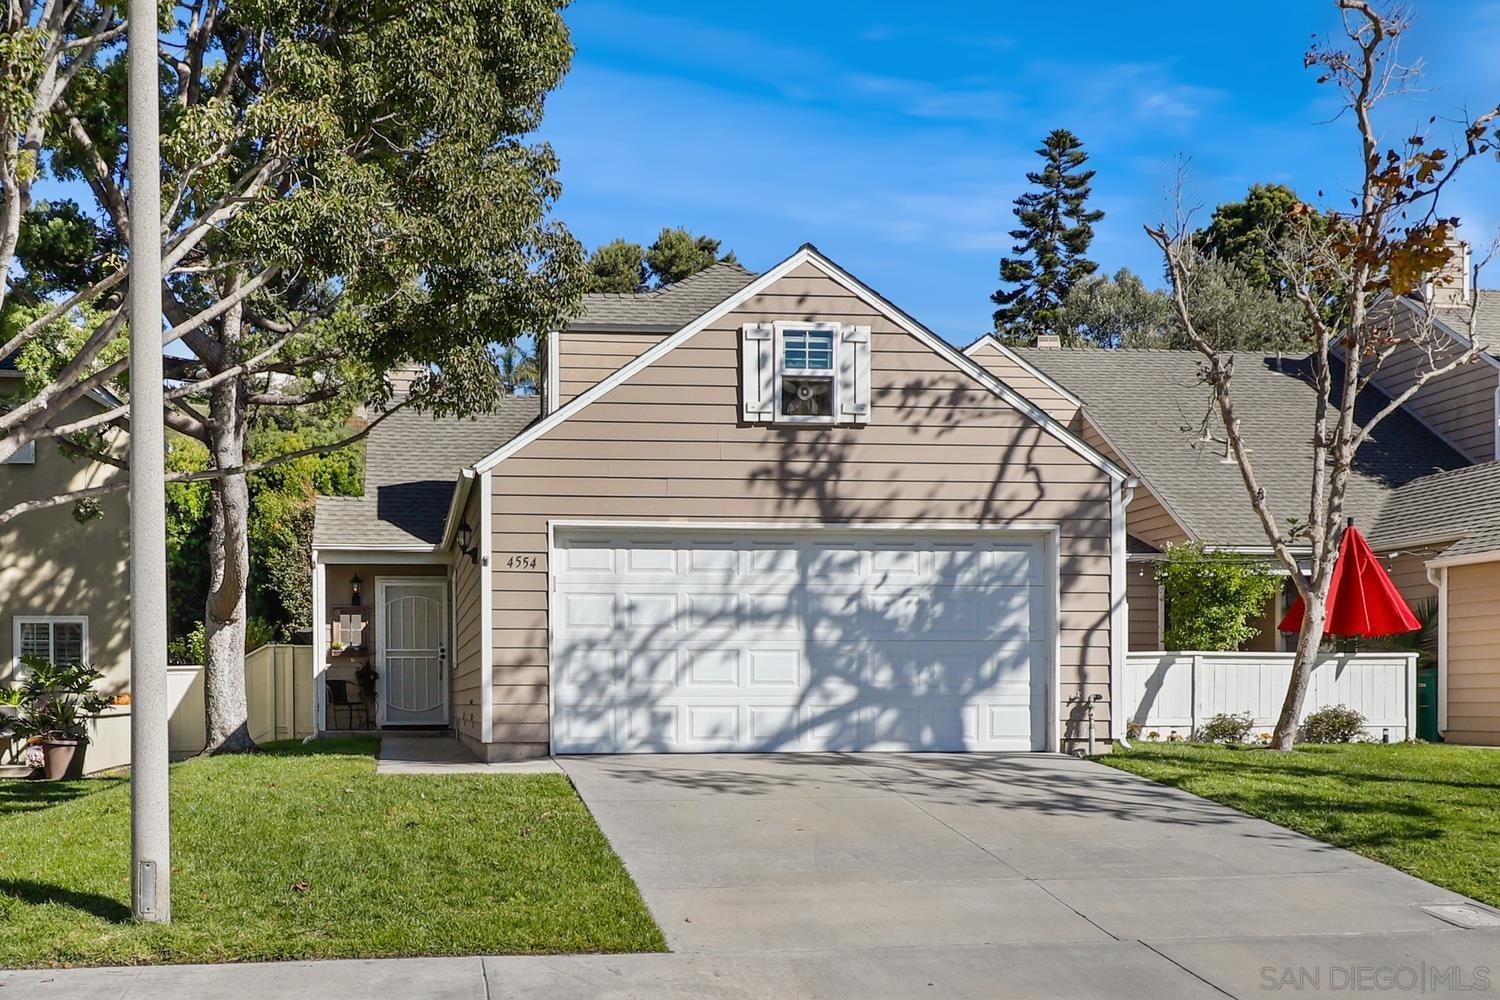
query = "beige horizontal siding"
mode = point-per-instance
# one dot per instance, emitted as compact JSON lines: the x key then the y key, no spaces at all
{"x":584,"y":359}
{"x":1473,"y":662}
{"x":467,"y":684}
{"x":1142,"y":592}
{"x":1015,"y":375}
{"x":669,"y":444}
{"x":1459,"y":405}
{"x":1408,"y":571}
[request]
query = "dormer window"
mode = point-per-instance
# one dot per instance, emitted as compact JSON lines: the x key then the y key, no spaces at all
{"x":801,"y":372}
{"x":806,"y":389}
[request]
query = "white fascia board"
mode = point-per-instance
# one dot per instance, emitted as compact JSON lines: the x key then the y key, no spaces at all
{"x":993,"y":342}
{"x":1473,"y":558}
{"x":808,"y":254}
{"x":456,"y":506}
{"x":330,"y":555}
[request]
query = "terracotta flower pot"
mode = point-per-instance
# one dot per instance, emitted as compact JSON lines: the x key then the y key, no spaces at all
{"x":62,"y":759}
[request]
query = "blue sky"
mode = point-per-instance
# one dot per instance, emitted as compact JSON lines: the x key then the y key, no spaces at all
{"x":895,"y":136}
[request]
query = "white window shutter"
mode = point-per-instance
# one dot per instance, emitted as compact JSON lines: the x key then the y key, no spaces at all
{"x":758,"y":372}
{"x":854,"y":374}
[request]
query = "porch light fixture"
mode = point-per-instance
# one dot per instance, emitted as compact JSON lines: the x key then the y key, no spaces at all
{"x":465,"y":536}
{"x":354,"y":589}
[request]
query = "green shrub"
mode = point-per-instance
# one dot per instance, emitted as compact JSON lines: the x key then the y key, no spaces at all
{"x":1224,"y":728}
{"x":1333,"y":724}
{"x":189,"y":649}
{"x":1210,"y":596}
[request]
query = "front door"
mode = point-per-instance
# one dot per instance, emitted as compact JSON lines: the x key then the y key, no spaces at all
{"x":412,"y":636}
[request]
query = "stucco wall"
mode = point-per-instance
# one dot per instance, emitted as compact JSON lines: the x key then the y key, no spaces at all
{"x":50,"y":564}
{"x":669,"y":444}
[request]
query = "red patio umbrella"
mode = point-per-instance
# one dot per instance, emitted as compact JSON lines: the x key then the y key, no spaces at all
{"x":1362,"y":600}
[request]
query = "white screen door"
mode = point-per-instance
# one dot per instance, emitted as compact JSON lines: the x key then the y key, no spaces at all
{"x":412,"y":632}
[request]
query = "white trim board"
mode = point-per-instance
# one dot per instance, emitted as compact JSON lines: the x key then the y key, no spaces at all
{"x":991,"y":341}
{"x":807,"y":254}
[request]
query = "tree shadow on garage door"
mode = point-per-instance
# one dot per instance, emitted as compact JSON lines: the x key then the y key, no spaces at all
{"x":901,"y":641}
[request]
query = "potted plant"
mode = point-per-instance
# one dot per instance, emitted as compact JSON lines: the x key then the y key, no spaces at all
{"x":58,"y":699}
{"x":11,"y":742}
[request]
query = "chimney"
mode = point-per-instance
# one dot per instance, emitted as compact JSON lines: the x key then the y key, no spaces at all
{"x":1049,"y":340}
{"x":402,"y":376}
{"x":1453,"y":284}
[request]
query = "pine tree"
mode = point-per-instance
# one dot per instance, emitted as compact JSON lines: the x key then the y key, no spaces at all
{"x":1055,"y":232}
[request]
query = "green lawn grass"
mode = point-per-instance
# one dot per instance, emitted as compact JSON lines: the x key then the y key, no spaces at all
{"x":304,"y":852}
{"x":1430,"y":810}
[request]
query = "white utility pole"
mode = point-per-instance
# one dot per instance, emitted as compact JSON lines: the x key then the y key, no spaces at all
{"x":150,"y":826}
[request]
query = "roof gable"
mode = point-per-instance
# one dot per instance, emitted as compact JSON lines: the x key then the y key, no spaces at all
{"x":1153,"y":405}
{"x":806,"y":255}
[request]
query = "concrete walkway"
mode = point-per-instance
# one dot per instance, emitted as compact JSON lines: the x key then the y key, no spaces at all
{"x":439,"y":754}
{"x":896,"y":876}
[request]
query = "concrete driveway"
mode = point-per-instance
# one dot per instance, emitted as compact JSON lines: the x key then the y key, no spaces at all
{"x":997,"y":875}
{"x":827,"y":877}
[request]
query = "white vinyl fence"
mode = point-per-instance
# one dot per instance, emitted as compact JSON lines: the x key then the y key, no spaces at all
{"x":1176,"y":692}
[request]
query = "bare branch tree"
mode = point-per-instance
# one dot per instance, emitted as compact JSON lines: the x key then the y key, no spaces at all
{"x":1348,"y":280}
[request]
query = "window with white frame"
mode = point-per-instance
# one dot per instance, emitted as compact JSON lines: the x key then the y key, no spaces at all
{"x":805,"y":372}
{"x":57,"y":638}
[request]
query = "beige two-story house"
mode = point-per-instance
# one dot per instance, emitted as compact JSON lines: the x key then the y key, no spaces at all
{"x":762,"y":512}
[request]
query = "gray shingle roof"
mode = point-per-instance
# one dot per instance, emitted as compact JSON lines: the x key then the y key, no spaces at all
{"x":663,"y":310}
{"x":1462,"y":504}
{"x":1151,"y":406}
{"x":1485,"y":330}
{"x":412,"y":461}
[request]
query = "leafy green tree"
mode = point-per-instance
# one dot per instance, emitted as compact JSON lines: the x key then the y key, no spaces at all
{"x":617,"y":266}
{"x":1212,"y":595}
{"x":678,"y":254}
{"x":347,"y":188}
{"x":1052,"y":241}
{"x":1248,"y":233}
{"x":623,"y":266}
{"x":1118,"y":311}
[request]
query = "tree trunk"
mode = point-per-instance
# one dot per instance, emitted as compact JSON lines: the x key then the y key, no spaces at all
{"x":1309,"y":643}
{"x":229,"y":571}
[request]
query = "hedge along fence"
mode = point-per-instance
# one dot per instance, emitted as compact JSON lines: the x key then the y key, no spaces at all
{"x":1176,"y":692}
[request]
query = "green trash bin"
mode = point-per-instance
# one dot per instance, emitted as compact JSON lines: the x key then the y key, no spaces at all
{"x":1427,"y":705}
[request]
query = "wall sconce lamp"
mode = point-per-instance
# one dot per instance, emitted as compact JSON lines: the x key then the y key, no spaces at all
{"x":355,"y":583}
{"x":465,"y":536}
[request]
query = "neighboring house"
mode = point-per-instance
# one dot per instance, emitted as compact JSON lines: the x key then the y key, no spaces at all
{"x":64,"y":592}
{"x":765,"y":512}
{"x":1425,"y":488}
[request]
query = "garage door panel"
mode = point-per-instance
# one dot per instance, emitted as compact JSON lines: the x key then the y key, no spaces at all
{"x":771,"y":667}
{"x":705,"y":641}
{"x":709,"y":667}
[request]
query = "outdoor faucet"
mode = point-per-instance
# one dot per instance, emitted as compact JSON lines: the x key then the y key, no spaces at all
{"x":1088,"y":702}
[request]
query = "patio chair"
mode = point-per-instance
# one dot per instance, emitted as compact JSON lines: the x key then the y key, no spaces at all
{"x":353,"y":707}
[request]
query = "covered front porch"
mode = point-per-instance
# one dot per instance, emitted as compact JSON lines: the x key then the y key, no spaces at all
{"x":382,"y":642}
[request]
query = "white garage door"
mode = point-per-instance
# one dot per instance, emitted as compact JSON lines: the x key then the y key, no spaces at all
{"x":770,"y":640}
